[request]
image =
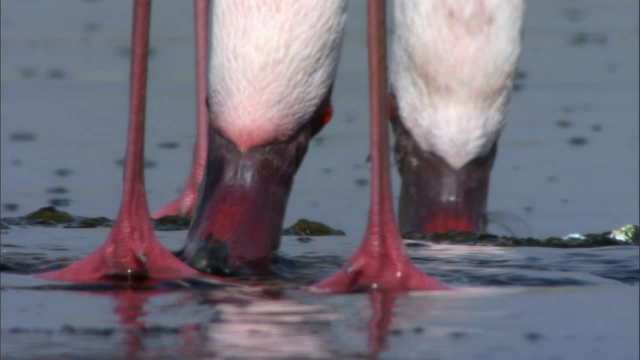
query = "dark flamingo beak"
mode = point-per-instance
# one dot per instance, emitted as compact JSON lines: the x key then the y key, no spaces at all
{"x":435,"y":197}
{"x":239,"y":208}
{"x":238,"y":221}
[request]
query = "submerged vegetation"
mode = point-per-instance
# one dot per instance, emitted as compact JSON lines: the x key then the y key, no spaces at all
{"x":51,"y":216}
{"x":625,"y":235}
{"x":304,"y":227}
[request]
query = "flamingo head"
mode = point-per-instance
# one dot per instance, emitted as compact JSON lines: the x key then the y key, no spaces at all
{"x":452,"y":71}
{"x":271,"y":72}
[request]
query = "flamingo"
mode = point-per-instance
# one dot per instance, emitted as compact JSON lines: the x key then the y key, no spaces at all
{"x":272,"y":67}
{"x":381,"y":262}
{"x":451,"y":80}
{"x":271,"y":71}
{"x":131,"y":251}
{"x":453,"y":64}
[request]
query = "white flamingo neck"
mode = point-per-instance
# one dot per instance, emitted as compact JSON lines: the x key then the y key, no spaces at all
{"x":453,"y":62}
{"x":272,"y":64}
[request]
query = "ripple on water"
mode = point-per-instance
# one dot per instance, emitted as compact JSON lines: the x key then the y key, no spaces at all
{"x":456,"y":258}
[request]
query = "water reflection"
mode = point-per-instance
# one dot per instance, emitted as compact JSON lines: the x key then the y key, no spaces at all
{"x":270,"y":328}
{"x":275,"y":317}
{"x":244,"y":322}
{"x":249,"y":322}
{"x":382,"y":304}
{"x":130,"y":308}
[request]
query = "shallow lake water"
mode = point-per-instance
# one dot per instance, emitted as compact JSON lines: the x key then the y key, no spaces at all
{"x":567,"y":163}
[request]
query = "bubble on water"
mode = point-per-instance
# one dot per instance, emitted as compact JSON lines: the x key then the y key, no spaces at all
{"x":22,"y":136}
{"x":63,"y":172}
{"x":57,"y":190}
{"x":170,"y":145}
{"x":362,"y":182}
{"x":577,"y":141}
{"x":56,"y":74}
{"x":60,"y":202}
{"x":10,"y":206}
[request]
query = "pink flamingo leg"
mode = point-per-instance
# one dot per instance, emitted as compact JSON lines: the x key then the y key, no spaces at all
{"x":185,"y":203}
{"x":381,"y":262}
{"x":132,"y":249}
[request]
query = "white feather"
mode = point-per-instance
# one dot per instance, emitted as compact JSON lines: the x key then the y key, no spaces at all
{"x":271,"y":65}
{"x":453,"y":62}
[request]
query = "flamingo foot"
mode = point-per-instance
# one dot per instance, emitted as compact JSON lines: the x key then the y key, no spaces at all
{"x":131,"y":252}
{"x":369,"y":271}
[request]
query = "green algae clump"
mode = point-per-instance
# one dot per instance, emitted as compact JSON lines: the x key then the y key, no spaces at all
{"x":305,"y":227}
{"x":627,"y":233}
{"x":50,"y":214}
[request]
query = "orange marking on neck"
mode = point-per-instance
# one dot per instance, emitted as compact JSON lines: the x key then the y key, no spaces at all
{"x":327,"y":116}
